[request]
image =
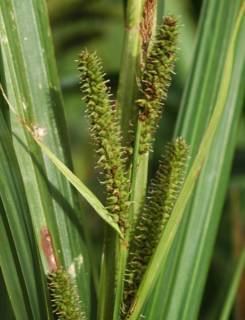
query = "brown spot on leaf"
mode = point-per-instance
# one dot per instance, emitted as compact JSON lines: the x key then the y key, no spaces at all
{"x":48,"y":250}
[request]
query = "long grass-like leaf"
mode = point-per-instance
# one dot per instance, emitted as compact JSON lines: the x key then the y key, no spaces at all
{"x":78,"y":184}
{"x":192,"y":254}
{"x":193,"y":246}
{"x":33,"y":89}
{"x":233,"y":287}
{"x":19,"y":257}
{"x":166,"y":241}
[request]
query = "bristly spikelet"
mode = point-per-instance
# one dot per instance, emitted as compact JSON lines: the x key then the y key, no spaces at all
{"x":105,"y":130}
{"x":155,"y":80}
{"x":65,"y":300}
{"x":162,"y":195}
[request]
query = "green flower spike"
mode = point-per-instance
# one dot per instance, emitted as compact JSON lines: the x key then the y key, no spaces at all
{"x":155,"y":80}
{"x":162,"y":195}
{"x":105,"y":130}
{"x":65,"y":300}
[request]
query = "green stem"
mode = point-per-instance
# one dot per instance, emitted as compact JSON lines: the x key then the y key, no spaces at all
{"x":107,"y":276}
{"x":139,"y":173}
{"x":139,"y":178}
{"x":122,"y":260}
{"x":138,"y":188}
{"x":130,"y":60}
{"x":126,"y":99}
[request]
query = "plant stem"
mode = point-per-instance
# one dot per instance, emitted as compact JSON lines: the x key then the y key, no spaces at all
{"x":129,"y":64}
{"x":138,"y":189}
{"x":138,"y":179}
{"x":139,"y":168}
{"x":126,"y":98}
{"x":107,"y":276}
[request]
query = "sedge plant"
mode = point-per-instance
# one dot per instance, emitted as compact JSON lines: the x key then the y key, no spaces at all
{"x":48,"y":249}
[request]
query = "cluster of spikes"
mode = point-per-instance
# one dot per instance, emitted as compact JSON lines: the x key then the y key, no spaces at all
{"x":63,"y":292}
{"x":104,"y":116}
{"x":104,"y":120}
{"x":162,"y":194}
